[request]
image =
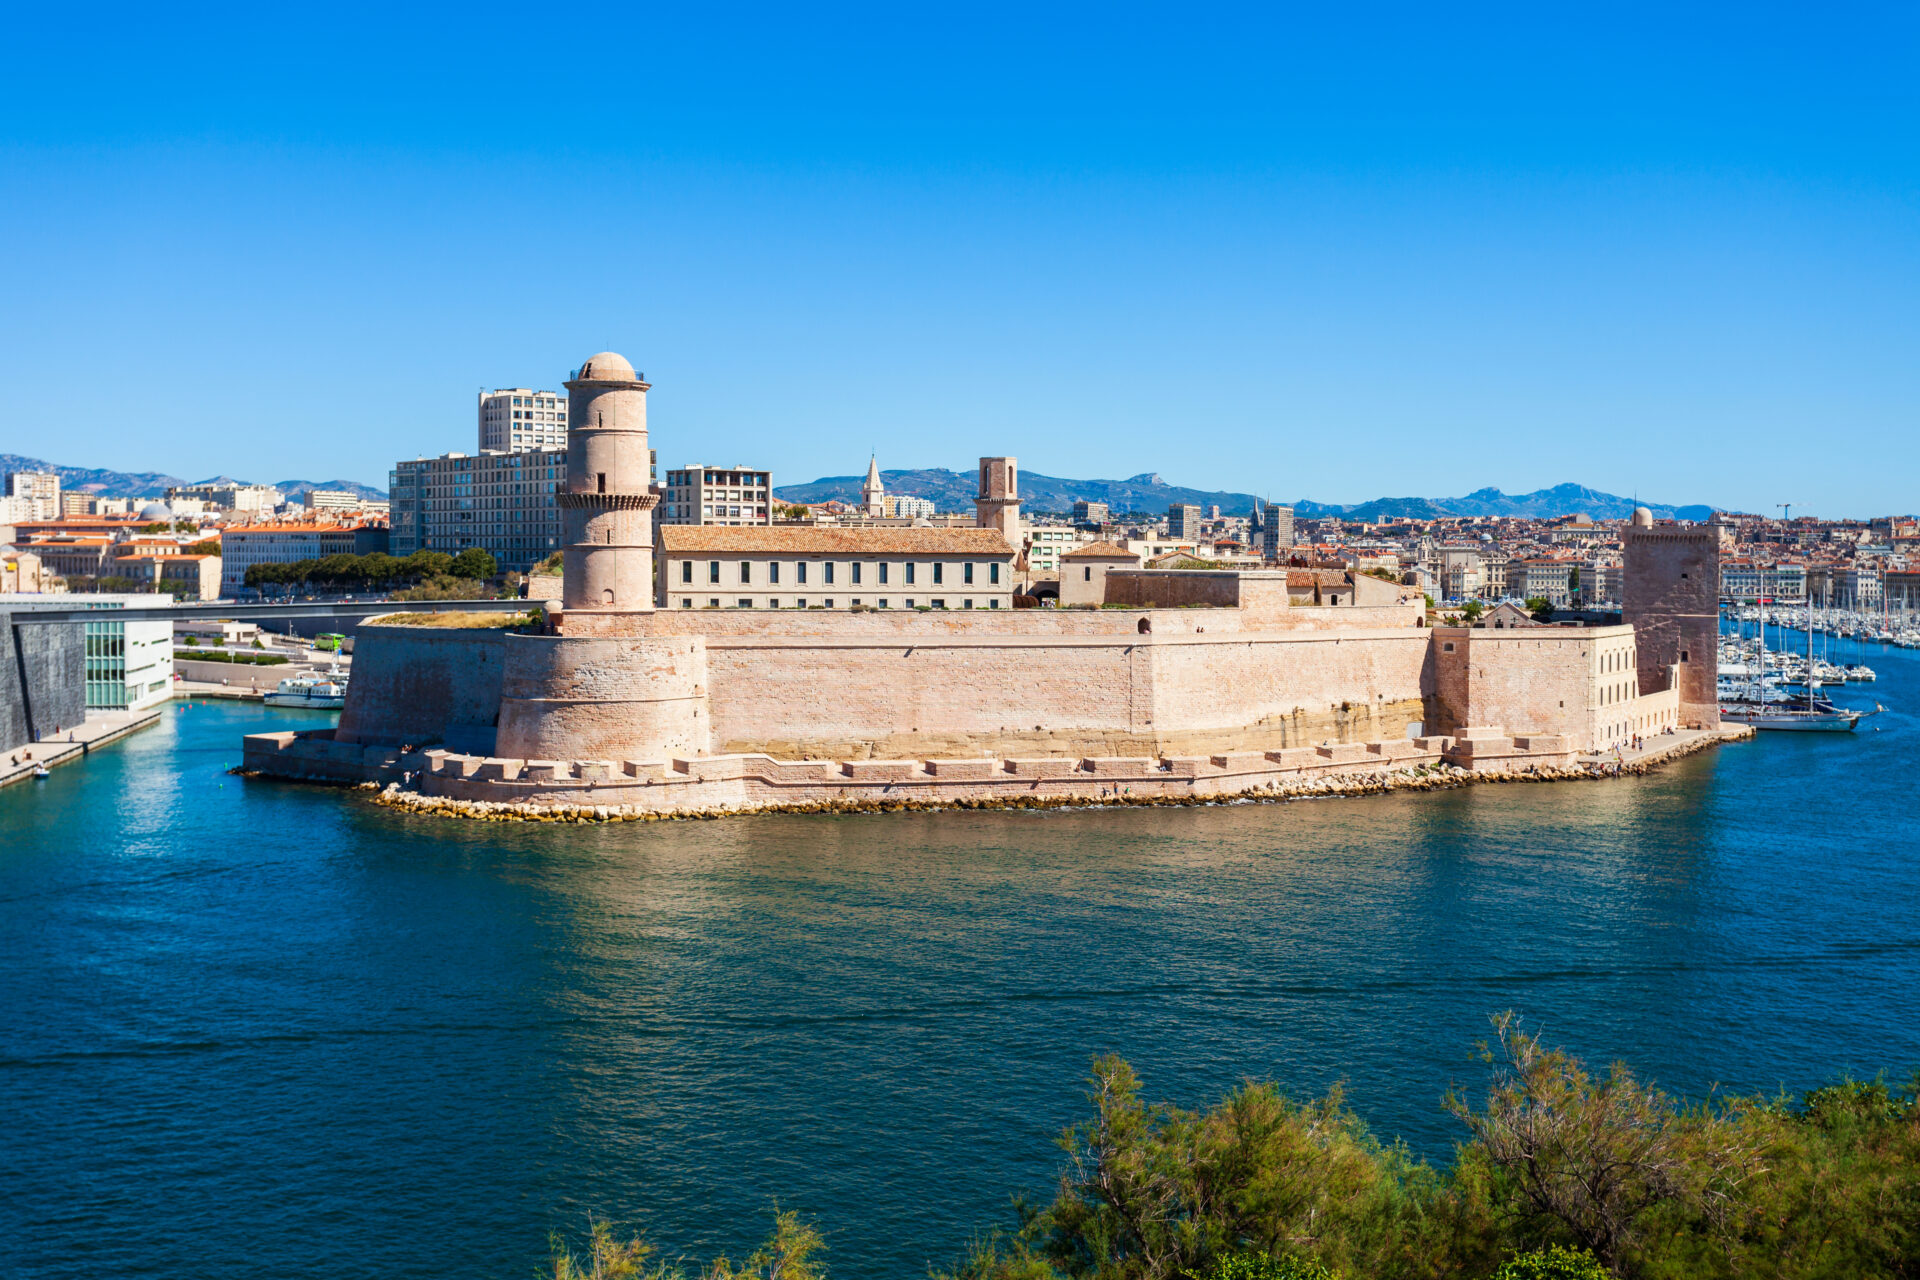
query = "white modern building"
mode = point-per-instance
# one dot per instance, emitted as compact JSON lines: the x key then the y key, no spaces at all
{"x":129,"y":663}
{"x":733,"y":495}
{"x":520,"y":420}
{"x":330,"y":500}
{"x":503,"y":503}
{"x":258,"y":499}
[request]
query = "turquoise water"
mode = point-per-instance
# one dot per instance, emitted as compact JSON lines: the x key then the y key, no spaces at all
{"x":257,"y":1028}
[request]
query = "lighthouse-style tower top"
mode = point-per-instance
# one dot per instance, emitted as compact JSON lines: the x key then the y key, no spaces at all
{"x":607,"y":507}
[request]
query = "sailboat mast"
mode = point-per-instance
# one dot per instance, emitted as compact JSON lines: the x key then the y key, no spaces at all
{"x":1810,"y":679}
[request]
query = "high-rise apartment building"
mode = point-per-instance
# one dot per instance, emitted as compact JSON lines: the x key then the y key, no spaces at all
{"x":515,"y":420}
{"x":1183,"y":520}
{"x":717,"y":495}
{"x":1273,"y":535}
{"x":1091,"y":513}
{"x":38,"y":493}
{"x":503,"y":503}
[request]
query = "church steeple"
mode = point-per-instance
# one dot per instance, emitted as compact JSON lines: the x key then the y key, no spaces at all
{"x":873,"y":494}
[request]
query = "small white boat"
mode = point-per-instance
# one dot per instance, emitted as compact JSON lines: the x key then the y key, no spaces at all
{"x":316,"y":693}
{"x":40,"y":771}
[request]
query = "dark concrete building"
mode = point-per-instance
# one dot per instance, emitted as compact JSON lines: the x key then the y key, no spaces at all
{"x":43,"y":679}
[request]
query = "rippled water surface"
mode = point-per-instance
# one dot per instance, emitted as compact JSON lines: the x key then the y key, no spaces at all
{"x":254,"y":1028}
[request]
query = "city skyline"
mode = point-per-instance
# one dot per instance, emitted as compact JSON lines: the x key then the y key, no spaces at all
{"x":1333,"y":257}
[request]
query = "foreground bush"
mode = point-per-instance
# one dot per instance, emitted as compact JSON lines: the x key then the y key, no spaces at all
{"x":1561,"y":1174}
{"x":790,"y":1253}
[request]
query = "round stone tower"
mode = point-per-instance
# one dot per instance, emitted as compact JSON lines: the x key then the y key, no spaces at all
{"x":600,"y":687}
{"x":606,"y":509}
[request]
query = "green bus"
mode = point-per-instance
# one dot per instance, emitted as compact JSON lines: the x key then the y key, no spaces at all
{"x":329,"y":641}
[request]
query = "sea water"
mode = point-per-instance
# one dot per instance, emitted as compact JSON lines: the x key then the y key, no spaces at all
{"x":264,"y":1028}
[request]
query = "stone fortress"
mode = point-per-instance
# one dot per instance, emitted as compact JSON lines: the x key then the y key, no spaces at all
{"x":741,"y":668}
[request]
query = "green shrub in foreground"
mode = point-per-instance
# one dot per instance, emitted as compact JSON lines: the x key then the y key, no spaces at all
{"x":1265,"y":1266}
{"x":1556,"y":1263}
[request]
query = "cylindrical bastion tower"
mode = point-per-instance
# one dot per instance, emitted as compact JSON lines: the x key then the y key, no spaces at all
{"x":606,"y":509}
{"x":600,"y":687}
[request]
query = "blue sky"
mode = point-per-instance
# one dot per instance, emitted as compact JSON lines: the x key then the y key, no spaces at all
{"x":1333,"y":253}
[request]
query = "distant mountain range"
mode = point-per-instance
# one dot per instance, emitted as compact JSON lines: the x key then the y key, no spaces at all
{"x":154,"y":484}
{"x":954,"y":490}
{"x":1148,"y":493}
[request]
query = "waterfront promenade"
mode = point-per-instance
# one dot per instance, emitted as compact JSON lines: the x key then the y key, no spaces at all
{"x":99,"y":728}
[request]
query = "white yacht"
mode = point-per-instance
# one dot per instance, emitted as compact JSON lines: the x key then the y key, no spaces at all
{"x":315,"y":692}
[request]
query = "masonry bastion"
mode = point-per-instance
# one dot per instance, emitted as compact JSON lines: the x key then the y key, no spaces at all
{"x":1187,"y":682}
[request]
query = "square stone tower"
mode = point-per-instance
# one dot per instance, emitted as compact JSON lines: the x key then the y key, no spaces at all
{"x":1671,"y":596}
{"x":998,"y":504}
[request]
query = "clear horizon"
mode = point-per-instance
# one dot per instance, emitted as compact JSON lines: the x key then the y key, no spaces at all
{"x":1384,"y":252}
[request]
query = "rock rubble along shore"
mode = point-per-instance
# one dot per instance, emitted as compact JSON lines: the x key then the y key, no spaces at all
{"x":1426,"y":777}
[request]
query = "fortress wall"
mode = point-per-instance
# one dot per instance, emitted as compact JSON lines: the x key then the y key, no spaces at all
{"x":1177,"y":588}
{"x":1529,"y":680}
{"x":930,"y":623}
{"x":1327,"y":617}
{"x":1151,"y":694}
{"x":951,"y":696}
{"x":882,"y":685}
{"x":1289,"y":690}
{"x":1263,"y":615}
{"x":424,"y":685}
